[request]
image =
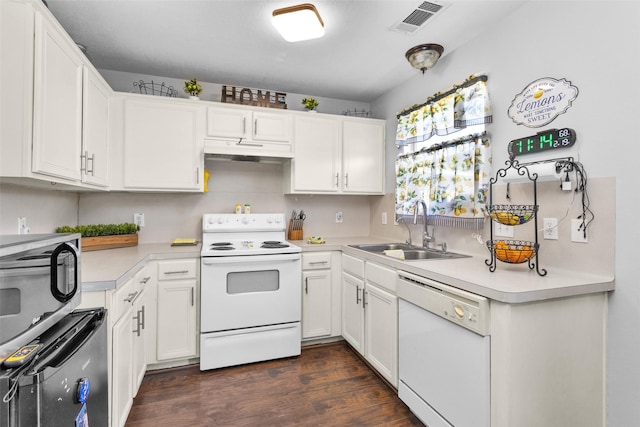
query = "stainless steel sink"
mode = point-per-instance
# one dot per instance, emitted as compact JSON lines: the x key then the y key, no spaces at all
{"x":381,"y":247}
{"x":422,"y":254}
{"x":411,"y":253}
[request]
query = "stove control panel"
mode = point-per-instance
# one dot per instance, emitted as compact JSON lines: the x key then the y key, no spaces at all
{"x":242,"y":222}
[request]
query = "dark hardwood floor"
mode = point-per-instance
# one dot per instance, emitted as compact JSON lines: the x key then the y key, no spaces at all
{"x":327,"y":385}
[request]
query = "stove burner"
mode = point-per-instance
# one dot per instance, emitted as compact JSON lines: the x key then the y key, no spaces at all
{"x":221,"y":244}
{"x":221,"y":248}
{"x":274,"y":245}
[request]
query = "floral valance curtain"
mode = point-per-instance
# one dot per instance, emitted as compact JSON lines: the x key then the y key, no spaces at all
{"x":452,"y":179}
{"x":465,"y":105}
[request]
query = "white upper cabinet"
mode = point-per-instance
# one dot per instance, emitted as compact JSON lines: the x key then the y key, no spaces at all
{"x":316,"y":166}
{"x":236,"y":130}
{"x":336,"y":155}
{"x":53,"y":115}
{"x":57,"y":110}
{"x":95,"y":129}
{"x":363,"y":156}
{"x":162,"y":144}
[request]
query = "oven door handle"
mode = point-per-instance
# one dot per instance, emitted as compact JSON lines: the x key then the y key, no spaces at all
{"x":249,"y":259}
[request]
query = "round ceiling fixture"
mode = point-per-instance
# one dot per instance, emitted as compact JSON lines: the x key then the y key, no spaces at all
{"x":424,"y":56}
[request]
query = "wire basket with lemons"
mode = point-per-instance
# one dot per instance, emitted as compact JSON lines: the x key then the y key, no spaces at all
{"x":513,"y":251}
{"x":512,"y":214}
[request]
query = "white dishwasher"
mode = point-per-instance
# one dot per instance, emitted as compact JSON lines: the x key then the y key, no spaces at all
{"x":444,"y":353}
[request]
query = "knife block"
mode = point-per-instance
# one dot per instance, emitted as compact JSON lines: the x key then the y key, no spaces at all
{"x":293,"y":233}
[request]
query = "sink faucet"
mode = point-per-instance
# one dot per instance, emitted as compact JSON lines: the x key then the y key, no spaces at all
{"x":426,"y":237}
{"x":408,"y":241}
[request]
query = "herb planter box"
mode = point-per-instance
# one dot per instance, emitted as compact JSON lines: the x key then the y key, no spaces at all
{"x":109,"y":242}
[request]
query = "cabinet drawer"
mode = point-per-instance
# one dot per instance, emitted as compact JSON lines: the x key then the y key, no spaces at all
{"x":177,"y":269}
{"x":122,"y":299}
{"x":353,"y":266}
{"x":141,"y":279}
{"x":316,"y":260}
{"x":382,"y":276}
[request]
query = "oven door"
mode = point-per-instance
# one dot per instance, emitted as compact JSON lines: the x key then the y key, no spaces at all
{"x":247,"y":291}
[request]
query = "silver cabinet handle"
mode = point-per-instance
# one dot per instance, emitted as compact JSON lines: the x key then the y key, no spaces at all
{"x":318,"y":262}
{"x":255,"y":127}
{"x":144,"y":317}
{"x":176,"y":272}
{"x":364,"y":299}
{"x":244,"y":125}
{"x":145,"y":280}
{"x":249,"y":144}
{"x":131,"y":297}
{"x":306,"y":285}
{"x":346,"y":179}
{"x":337,"y":180}
{"x":83,"y":162}
{"x":358,"y":295}
{"x":193,"y":297}
{"x":92,"y":160}
{"x":198,"y":175}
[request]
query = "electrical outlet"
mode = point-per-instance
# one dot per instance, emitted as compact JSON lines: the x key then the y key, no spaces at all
{"x":578,"y":235}
{"x":22,"y":225}
{"x":338,"y":217}
{"x":138,"y":219}
{"x":550,"y":228}
{"x":384,"y":218}
{"x":503,"y":230}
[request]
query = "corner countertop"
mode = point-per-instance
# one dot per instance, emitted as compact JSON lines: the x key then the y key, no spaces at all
{"x":104,"y":270}
{"x":510,"y":283}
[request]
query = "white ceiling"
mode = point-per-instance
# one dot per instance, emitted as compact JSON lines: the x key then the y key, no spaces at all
{"x":233,"y":41}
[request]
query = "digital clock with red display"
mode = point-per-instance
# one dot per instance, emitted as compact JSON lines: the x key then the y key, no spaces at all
{"x":542,"y":141}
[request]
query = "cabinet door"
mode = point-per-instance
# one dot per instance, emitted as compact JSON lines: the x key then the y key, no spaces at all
{"x":270,"y":127}
{"x":381,"y":340}
{"x":139,"y":334}
{"x":316,"y":166}
{"x":316,"y":303}
{"x":228,"y":122}
{"x":352,"y":311}
{"x":95,"y":129}
{"x":176,"y":323}
{"x":363,"y":156}
{"x":122,"y":372}
{"x":57,"y":114}
{"x":162,"y":145}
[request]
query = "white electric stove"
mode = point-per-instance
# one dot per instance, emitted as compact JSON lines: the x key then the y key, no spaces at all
{"x":250,"y":290}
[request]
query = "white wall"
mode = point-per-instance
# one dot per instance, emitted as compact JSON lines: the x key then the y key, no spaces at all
{"x":123,"y":82}
{"x":595,"y":45}
{"x":168,"y":216}
{"x":44,"y":209}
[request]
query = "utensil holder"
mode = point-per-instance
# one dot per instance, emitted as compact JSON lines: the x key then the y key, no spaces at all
{"x":294,"y":233}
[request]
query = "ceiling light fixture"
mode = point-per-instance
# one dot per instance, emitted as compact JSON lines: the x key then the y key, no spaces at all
{"x":299,"y":22}
{"x":424,"y":56}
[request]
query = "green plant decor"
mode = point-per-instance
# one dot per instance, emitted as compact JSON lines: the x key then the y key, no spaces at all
{"x":310,"y":103}
{"x":100,"y":229}
{"x":192,"y":87}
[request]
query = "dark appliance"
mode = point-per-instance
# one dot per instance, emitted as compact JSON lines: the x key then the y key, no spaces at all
{"x":53,"y":360}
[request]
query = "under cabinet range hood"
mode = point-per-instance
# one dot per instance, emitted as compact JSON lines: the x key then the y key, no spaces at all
{"x":240,"y":150}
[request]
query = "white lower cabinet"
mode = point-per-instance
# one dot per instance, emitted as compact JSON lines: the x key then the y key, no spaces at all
{"x":370,"y":314}
{"x":316,"y":295}
{"x":128,"y":347}
{"x":177,"y":313}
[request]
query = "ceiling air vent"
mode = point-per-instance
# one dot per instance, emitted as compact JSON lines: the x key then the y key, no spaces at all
{"x":417,"y":18}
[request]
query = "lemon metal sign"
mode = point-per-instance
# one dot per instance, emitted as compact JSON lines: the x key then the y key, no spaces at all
{"x":542,"y":101}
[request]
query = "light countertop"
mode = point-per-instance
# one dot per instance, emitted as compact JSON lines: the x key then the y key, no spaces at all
{"x":510,"y":283}
{"x":103,"y":270}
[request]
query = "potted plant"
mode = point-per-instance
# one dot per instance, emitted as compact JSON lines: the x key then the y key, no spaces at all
{"x":193,"y":88}
{"x":310,"y":104}
{"x":104,"y":236}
